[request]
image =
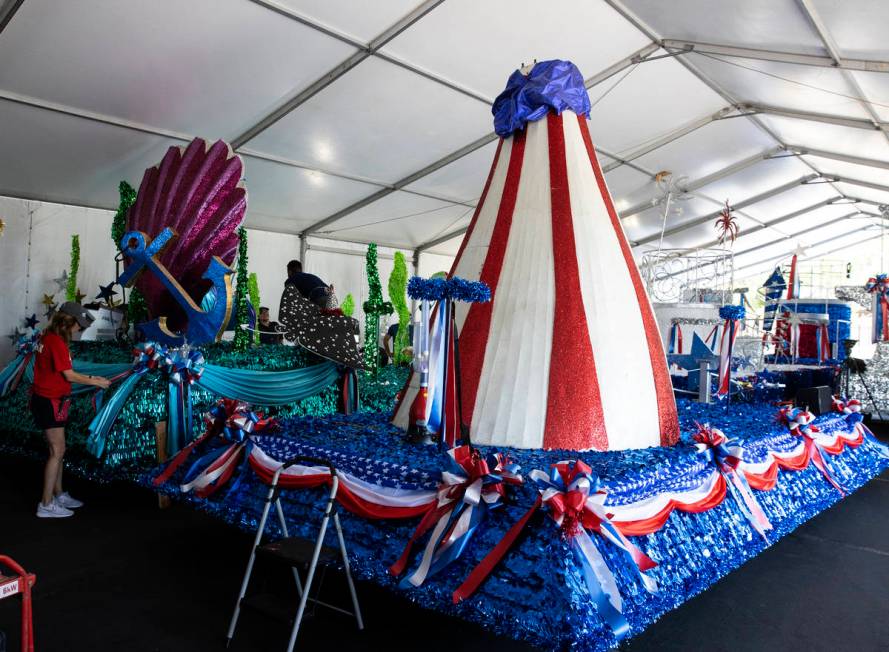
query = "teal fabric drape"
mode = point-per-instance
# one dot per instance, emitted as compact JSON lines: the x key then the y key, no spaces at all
{"x":88,"y":369}
{"x":268,"y":387}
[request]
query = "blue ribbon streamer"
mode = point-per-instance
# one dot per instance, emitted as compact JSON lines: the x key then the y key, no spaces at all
{"x":615,"y":619}
{"x":102,"y":423}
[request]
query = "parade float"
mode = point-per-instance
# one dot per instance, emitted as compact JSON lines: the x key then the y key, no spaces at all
{"x":535,"y":474}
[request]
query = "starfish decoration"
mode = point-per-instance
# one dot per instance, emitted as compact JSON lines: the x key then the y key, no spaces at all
{"x":31,"y":322}
{"x":106,"y":292}
{"x":48,"y":300}
{"x":62,"y":281}
{"x":14,"y":336}
{"x":79,"y":296}
{"x":50,"y":311}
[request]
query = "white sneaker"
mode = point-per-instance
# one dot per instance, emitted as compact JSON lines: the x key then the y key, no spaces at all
{"x":53,"y":510}
{"x":65,"y":500}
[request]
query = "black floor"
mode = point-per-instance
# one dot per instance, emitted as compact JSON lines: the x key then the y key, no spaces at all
{"x":123,"y":575}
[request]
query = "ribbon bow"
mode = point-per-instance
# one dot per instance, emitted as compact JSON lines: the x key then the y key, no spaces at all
{"x":470,"y":486}
{"x":728,"y":455}
{"x":799,"y":422}
{"x":234,"y":423}
{"x":234,"y":420}
{"x":878,"y":284}
{"x":27,"y":344}
{"x":148,"y":356}
{"x":185,"y":367}
{"x":575,"y":498}
{"x":852,"y":409}
{"x":12,"y":374}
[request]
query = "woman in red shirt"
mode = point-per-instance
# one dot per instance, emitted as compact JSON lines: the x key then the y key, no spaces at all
{"x":51,"y":398}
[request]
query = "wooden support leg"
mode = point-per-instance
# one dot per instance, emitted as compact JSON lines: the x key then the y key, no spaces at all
{"x":160,"y":435}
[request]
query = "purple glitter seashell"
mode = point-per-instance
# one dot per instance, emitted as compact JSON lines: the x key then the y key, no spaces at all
{"x":196,"y":191}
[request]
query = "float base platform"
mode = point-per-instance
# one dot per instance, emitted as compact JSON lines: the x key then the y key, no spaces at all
{"x":126,"y":588}
{"x":537,"y":593}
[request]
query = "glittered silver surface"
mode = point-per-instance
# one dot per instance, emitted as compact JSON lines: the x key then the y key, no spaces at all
{"x":877,"y":379}
{"x":855,"y":293}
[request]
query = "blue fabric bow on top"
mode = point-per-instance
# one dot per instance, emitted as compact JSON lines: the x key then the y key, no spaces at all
{"x":554,"y":84}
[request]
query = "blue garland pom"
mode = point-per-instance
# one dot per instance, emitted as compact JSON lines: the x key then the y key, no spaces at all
{"x":459,"y":289}
{"x":426,"y":289}
{"x":455,"y":289}
{"x":732,"y":312}
{"x":551,"y":85}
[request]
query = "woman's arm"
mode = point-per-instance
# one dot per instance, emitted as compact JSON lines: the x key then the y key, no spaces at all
{"x":74,"y":377}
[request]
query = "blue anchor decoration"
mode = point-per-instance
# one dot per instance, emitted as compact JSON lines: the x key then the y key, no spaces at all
{"x":203,"y":326}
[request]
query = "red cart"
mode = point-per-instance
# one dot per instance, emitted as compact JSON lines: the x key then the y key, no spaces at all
{"x":20,"y":582}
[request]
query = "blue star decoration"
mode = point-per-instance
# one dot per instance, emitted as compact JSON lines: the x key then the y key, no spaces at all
{"x":31,"y":322}
{"x":106,"y":292}
{"x":50,"y":310}
{"x":14,"y":336}
{"x":691,"y":361}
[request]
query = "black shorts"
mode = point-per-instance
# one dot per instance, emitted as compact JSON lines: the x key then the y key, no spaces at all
{"x":50,"y":412}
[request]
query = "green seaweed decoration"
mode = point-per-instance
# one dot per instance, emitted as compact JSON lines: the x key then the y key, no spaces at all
{"x":137,"y":309}
{"x":348,"y":305}
{"x":253,"y":291}
{"x":398,"y":297}
{"x":374,"y":307}
{"x":119,"y":223}
{"x":242,"y":313}
{"x":71,"y":289}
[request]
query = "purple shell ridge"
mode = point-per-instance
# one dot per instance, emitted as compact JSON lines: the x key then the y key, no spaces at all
{"x":196,"y":191}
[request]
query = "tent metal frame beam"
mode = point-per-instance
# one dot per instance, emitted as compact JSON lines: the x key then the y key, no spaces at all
{"x":598,"y":78}
{"x":794,"y":236}
{"x":186,"y":138}
{"x":7,"y":12}
{"x":286,"y":12}
{"x":48,"y":199}
{"x":838,"y":178}
{"x":799,"y":150}
{"x":347,"y":252}
{"x":668,"y":138}
{"x":843,"y":248}
{"x":691,"y":186}
{"x":685,"y":61}
{"x":776,"y":222}
{"x":441,"y":239}
{"x":811,"y":246}
{"x":841,"y":121}
{"x":363,"y":52}
{"x":399,"y":185}
{"x":811,"y":14}
{"x":686,"y":225}
{"x":749,"y":250}
{"x":773,"y":192}
{"x":863,"y":65}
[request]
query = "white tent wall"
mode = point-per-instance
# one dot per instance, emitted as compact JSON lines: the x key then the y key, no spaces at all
{"x":36,"y":248}
{"x":31,"y":257}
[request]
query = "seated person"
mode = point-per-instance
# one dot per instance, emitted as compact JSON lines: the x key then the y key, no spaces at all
{"x":310,"y":286}
{"x":389,"y":340}
{"x":269,"y":333}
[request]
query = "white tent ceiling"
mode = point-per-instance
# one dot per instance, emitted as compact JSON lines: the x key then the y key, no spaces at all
{"x":370,"y":121}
